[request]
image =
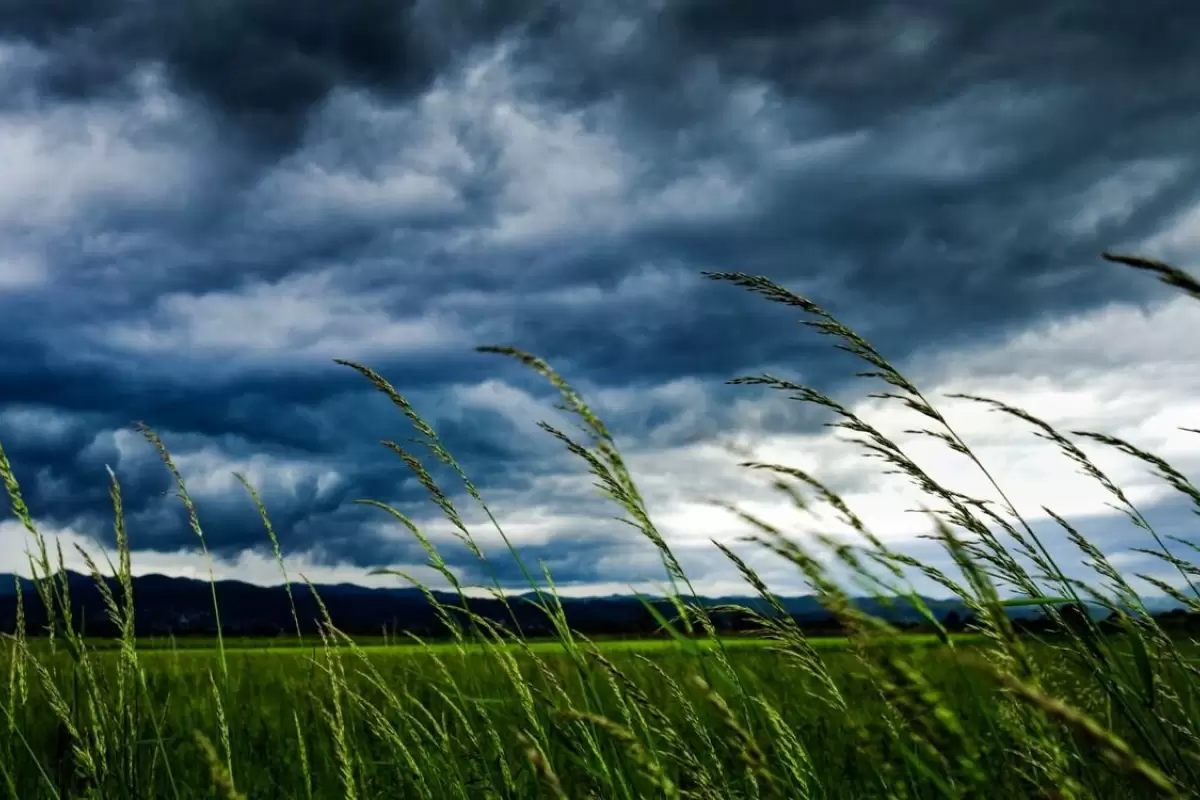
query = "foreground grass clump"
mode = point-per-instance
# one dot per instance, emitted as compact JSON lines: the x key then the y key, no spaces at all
{"x":486,"y":714}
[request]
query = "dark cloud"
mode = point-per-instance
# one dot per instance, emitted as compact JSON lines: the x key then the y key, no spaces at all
{"x":261,"y":65}
{"x":227,"y":195}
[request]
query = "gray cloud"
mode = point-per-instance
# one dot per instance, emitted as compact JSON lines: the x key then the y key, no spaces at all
{"x":212,"y":201}
{"x":262,"y":66}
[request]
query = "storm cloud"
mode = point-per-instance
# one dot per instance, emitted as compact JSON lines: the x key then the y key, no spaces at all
{"x":205,"y":203}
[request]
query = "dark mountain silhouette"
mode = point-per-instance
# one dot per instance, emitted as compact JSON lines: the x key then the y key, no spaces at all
{"x":183,"y":606}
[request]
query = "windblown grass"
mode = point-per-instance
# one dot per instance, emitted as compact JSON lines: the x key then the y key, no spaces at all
{"x":490,"y":714}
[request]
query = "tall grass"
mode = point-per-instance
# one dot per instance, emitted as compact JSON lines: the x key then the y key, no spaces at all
{"x":489,"y":715}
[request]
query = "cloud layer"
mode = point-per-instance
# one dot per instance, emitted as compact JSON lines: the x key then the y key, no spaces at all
{"x":204,"y":204}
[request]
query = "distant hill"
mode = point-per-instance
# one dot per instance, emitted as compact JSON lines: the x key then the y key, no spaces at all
{"x":183,"y":606}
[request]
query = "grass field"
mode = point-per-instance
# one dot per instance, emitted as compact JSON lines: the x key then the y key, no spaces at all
{"x":380,"y":644}
{"x":1085,"y":714}
{"x":436,"y":722}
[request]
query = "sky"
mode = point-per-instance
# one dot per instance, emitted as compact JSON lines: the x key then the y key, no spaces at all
{"x":205,"y":203}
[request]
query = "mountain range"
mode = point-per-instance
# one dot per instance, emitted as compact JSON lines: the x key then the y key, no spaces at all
{"x":183,"y":606}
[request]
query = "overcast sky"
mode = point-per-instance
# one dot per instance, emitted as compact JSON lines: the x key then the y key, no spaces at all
{"x":204,"y":203}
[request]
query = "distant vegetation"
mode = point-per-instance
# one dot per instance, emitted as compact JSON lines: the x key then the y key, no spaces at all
{"x":181,"y":609}
{"x":1027,"y":683}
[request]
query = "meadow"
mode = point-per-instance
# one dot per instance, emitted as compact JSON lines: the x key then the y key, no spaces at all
{"x":1092,"y":711}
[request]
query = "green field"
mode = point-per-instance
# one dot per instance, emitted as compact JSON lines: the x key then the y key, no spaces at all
{"x":436,"y":722}
{"x":380,"y":644}
{"x":1089,"y":711}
